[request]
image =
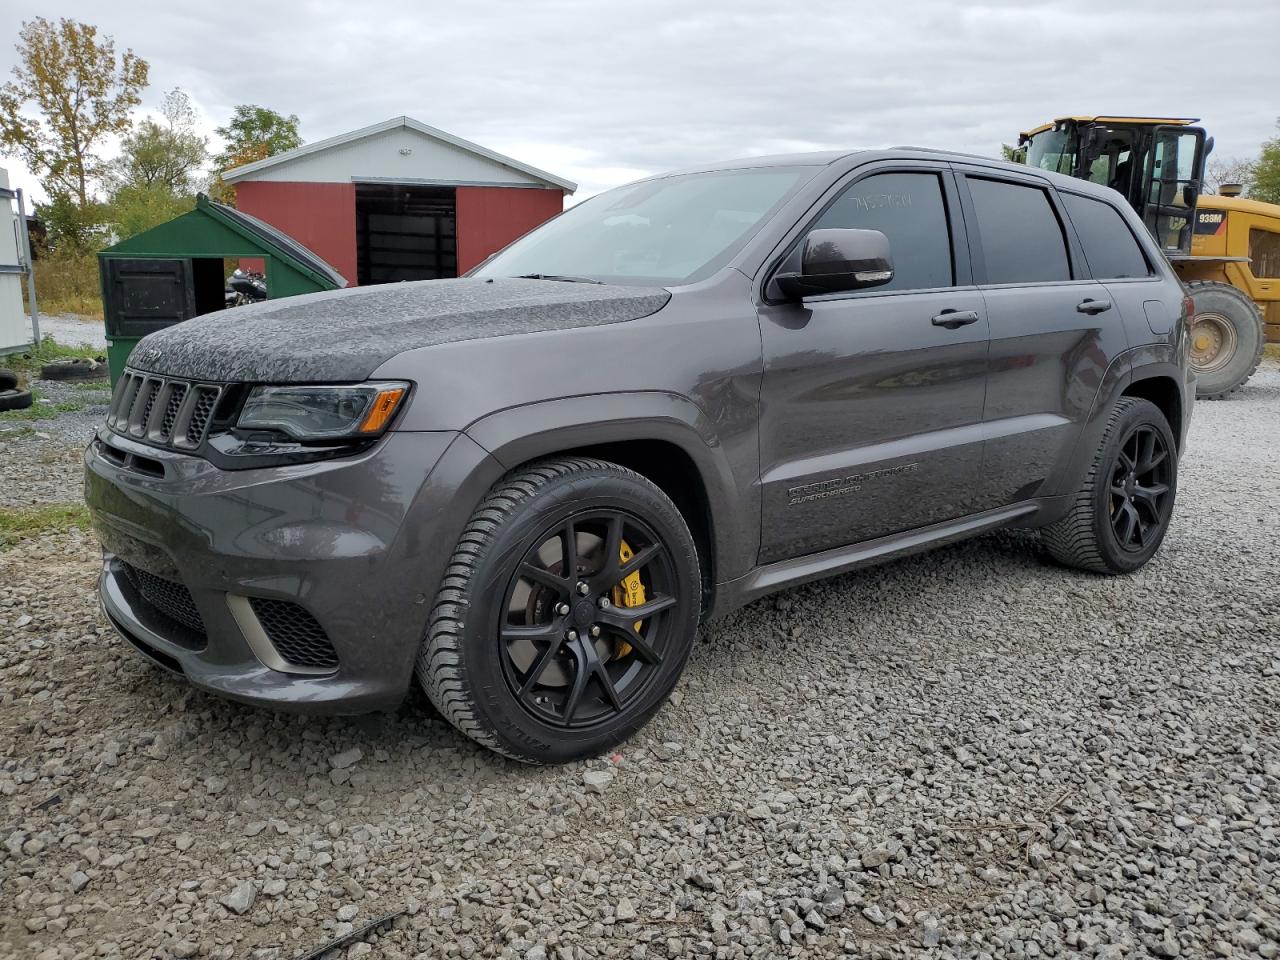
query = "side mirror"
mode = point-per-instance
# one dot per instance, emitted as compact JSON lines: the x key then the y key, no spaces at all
{"x":835,"y":260}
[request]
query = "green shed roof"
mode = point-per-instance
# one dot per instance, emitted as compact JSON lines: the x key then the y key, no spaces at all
{"x":217,"y":230}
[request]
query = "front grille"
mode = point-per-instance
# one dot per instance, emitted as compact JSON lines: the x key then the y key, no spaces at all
{"x":167,"y":597}
{"x":295,"y":634}
{"x":163,"y":410}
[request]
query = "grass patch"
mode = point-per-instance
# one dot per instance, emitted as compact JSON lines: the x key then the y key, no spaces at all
{"x":68,"y":283}
{"x":28,"y":362}
{"x":16,"y":433}
{"x":43,"y":411}
{"x":1272,"y":350}
{"x":17,"y":525}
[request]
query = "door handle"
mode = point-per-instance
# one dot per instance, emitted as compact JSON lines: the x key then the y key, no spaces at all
{"x":1093,"y":307}
{"x":952,"y":319}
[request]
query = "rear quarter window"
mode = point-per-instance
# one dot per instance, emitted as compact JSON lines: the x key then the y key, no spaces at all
{"x":1109,"y":244}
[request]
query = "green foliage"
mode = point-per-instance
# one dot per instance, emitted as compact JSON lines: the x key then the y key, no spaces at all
{"x":73,"y":228}
{"x":26,"y":523}
{"x":253,"y":133}
{"x":82,"y":95}
{"x":251,"y":127}
{"x":1266,"y":172}
{"x":167,"y":154}
{"x":140,"y":207}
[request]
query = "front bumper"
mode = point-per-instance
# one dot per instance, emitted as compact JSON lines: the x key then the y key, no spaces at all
{"x":358,"y":543}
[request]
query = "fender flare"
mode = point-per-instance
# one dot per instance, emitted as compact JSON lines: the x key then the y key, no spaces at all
{"x":519,"y":434}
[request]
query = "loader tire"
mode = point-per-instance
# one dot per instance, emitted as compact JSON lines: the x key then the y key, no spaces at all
{"x":1227,"y":338}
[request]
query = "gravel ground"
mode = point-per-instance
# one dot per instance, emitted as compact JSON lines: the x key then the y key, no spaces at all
{"x":40,"y":459}
{"x":72,"y":329}
{"x":966,"y":754}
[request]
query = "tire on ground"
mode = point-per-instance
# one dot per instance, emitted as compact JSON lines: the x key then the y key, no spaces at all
{"x":459,"y":662}
{"x":8,"y":380}
{"x":1084,"y":538}
{"x":14,"y":399}
{"x":76,"y":368}
{"x":1237,"y":309}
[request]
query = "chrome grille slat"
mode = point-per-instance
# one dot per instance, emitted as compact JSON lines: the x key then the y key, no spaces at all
{"x":163,"y":411}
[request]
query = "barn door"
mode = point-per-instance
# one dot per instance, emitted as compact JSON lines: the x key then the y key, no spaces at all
{"x":147,"y":295}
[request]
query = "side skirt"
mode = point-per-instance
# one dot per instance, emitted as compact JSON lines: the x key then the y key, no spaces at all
{"x":817,"y":566}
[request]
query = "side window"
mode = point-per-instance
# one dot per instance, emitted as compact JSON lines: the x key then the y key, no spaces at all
{"x":1109,"y":244}
{"x":1022,"y":240}
{"x":909,"y":209}
{"x":1264,"y":251}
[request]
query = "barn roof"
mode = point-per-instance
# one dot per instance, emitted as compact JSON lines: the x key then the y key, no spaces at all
{"x":272,"y":167}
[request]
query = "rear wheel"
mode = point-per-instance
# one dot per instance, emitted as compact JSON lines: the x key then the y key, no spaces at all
{"x":1122,"y":511}
{"x":1227,"y":338}
{"x":567,"y":612}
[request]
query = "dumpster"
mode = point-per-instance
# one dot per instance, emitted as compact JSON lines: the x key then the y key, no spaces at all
{"x":177,"y":270}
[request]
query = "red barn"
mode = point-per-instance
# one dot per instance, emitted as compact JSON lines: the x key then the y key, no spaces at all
{"x":398,"y":200}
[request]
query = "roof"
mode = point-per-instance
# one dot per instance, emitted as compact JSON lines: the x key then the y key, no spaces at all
{"x":1172,"y":121}
{"x":1210,"y":201}
{"x":250,"y":170}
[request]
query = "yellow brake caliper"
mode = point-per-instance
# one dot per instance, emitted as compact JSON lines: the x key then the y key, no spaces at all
{"x":629,"y":593}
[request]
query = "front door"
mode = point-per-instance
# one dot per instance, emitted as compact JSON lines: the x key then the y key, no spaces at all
{"x":872,"y":401}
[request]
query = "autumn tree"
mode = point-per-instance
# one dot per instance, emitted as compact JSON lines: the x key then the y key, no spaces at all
{"x":166,"y":154}
{"x":253,"y":133}
{"x":81,"y":93}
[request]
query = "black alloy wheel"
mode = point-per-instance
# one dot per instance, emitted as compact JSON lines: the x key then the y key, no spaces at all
{"x":566,"y":614}
{"x":1141,"y":486}
{"x":1119,"y":516}
{"x":574,"y":654}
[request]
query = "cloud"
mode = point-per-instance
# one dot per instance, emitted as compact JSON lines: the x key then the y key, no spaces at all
{"x":603,"y":92}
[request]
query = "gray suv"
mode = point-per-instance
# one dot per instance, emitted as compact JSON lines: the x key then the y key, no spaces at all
{"x":528,"y":486}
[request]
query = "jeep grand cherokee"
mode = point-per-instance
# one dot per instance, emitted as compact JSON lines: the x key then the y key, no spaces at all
{"x":528,"y":485}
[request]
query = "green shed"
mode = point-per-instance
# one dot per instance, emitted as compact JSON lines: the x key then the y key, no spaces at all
{"x":177,"y":270}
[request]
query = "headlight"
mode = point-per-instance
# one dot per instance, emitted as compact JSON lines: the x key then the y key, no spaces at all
{"x":323,"y":412}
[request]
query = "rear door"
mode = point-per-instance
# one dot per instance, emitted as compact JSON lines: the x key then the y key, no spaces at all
{"x":1053,"y":331}
{"x":872,"y":399}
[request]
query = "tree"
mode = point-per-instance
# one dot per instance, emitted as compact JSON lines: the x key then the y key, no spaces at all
{"x":1266,"y":172}
{"x":253,"y":133}
{"x":137,"y":207}
{"x":1220,"y":170}
{"x":83,"y":95}
{"x":167,"y":154}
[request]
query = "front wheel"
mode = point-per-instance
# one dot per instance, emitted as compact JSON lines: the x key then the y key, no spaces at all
{"x":1122,"y":511}
{"x":566,"y":614}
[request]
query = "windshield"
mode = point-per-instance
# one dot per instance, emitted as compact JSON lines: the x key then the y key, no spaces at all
{"x":671,"y":230}
{"x":1053,"y":150}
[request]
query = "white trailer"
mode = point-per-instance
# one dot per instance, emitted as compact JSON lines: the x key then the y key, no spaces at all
{"x":16,"y":332}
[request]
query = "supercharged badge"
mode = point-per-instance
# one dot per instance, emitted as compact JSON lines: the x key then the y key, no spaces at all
{"x":839,"y":486}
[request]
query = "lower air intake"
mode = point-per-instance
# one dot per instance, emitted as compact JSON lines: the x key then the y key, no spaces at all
{"x":295,"y":634}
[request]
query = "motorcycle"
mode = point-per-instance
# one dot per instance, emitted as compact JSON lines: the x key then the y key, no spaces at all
{"x":244,"y":287}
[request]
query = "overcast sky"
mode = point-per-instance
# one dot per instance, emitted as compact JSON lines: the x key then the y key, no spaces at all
{"x":603,"y":92}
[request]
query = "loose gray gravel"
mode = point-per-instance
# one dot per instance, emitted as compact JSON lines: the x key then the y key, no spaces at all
{"x":966,"y":754}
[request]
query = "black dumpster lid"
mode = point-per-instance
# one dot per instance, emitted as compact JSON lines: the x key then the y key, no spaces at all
{"x":263,"y":231}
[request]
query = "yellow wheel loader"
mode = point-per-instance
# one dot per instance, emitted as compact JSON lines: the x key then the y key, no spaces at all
{"x":1225,"y":248}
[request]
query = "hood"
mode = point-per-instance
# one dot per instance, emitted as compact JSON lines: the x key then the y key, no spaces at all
{"x":344,"y":335}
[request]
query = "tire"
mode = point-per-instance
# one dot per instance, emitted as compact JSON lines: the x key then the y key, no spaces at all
{"x":1227,"y":337}
{"x":8,"y":380}
{"x":14,"y":399}
{"x":476,"y":679}
{"x":1088,"y":538}
{"x":75,"y":368}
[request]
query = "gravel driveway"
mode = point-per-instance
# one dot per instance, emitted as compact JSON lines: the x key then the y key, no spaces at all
{"x":966,"y":754}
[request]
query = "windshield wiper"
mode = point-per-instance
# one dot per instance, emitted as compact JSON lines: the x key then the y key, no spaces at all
{"x":559,"y":277}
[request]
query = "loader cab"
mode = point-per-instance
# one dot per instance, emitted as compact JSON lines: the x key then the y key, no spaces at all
{"x":1156,"y":163}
